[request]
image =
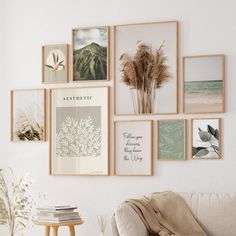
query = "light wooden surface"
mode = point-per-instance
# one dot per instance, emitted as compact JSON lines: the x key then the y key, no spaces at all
{"x":55,"y":226}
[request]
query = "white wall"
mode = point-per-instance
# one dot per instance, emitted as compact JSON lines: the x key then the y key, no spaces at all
{"x":206,"y":26}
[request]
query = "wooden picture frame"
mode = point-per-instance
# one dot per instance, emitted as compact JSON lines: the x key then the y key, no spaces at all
{"x":131,"y":150}
{"x":101,"y":46}
{"x":87,"y":109}
{"x":204,"y":96}
{"x":55,"y":68}
{"x":176,"y":149}
{"x":172,"y":42}
{"x":28,"y":115}
{"x":214,"y":137}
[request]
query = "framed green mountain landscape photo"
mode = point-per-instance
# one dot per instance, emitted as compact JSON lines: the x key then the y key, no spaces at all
{"x":90,"y":53}
{"x":55,"y":63}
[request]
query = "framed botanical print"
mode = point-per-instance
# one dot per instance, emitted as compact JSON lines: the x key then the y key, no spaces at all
{"x":146,"y":64}
{"x":28,"y":115}
{"x":203,"y":78}
{"x":171,"y":139}
{"x":206,"y":138}
{"x":79,"y":140}
{"x":55,"y":63}
{"x":91,"y":53}
{"x":133,"y":148}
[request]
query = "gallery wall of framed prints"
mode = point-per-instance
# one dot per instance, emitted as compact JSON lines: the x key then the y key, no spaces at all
{"x":144,"y":59}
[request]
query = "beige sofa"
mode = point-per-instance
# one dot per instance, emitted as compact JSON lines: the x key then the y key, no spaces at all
{"x":216,"y":213}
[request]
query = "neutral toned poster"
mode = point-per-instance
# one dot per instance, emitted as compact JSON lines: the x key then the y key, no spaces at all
{"x":79,"y":131}
{"x":204,"y":84}
{"x":28,"y":115}
{"x":91,"y":54}
{"x":206,"y":138}
{"x":171,"y":139}
{"x":133,"y":147}
{"x":146,"y":68}
{"x":55,"y":63}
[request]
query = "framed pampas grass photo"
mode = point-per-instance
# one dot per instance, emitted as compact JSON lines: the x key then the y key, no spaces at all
{"x":146,"y":66}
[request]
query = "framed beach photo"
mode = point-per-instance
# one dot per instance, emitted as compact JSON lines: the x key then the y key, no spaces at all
{"x":146,"y":66}
{"x":55,"y":64}
{"x":133,"y":148}
{"x":91,"y":47}
{"x":28,"y":115}
{"x":203,"y":79}
{"x":206,"y":138}
{"x":171,"y":139}
{"x":79,"y":131}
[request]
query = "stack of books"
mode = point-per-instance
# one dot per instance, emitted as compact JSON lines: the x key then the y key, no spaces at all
{"x":57,"y":214}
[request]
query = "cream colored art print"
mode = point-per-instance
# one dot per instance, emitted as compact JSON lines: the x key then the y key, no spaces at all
{"x":79,"y":131}
{"x":146,"y":68}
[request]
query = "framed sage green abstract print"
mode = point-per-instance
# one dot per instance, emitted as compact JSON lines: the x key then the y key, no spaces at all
{"x":55,"y":63}
{"x":79,"y":131}
{"x":171,"y":139}
{"x":90,"y":54}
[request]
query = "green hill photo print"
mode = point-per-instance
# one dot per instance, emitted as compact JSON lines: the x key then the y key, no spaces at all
{"x":90,"y":54}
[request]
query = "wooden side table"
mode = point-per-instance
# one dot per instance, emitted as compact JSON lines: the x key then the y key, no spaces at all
{"x":55,"y":226}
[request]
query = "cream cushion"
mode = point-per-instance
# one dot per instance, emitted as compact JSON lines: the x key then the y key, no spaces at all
{"x":216,"y":213}
{"x":128,"y":222}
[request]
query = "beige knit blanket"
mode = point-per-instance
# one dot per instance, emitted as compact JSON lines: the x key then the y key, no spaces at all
{"x":165,"y":214}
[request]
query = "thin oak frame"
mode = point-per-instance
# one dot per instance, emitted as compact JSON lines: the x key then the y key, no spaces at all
{"x":50,"y":131}
{"x":223,"y":80}
{"x":177,"y":62}
{"x":151,"y":147}
{"x":185,"y":140}
{"x":108,"y":53}
{"x":44,"y":113}
{"x":220,"y":141}
{"x":66,"y":62}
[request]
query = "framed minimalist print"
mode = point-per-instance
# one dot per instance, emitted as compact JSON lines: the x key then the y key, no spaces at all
{"x":203,"y":84}
{"x":171,"y":141}
{"x":91,"y":54}
{"x":28,"y":115}
{"x":146,"y":68}
{"x":79,"y":143}
{"x":55,"y":63}
{"x":206,"y":138}
{"x":133,"y":148}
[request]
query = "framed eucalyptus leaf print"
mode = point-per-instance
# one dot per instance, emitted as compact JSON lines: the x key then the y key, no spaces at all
{"x":55,"y":63}
{"x":206,"y":138}
{"x":171,"y":139}
{"x":79,"y":143}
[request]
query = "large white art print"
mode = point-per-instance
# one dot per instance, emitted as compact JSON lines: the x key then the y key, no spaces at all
{"x":79,"y":131}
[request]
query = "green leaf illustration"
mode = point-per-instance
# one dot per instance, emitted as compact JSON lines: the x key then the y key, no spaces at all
{"x":51,"y":67}
{"x":204,"y":136}
{"x":201,"y":153}
{"x":217,"y":134}
{"x":197,"y":149}
{"x":54,"y":58}
{"x":211,"y":130}
{"x":215,"y":147}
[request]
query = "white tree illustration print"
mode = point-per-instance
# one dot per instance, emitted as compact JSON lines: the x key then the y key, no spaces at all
{"x":78,"y":138}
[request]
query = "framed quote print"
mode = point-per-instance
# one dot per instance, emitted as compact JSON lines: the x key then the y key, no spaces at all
{"x":133,"y":148}
{"x":204,"y":79}
{"x":146,"y":64}
{"x":171,"y":139}
{"x":28,"y":115}
{"x":91,"y":47}
{"x":79,"y":143}
{"x":206,"y":138}
{"x":55,"y":63}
